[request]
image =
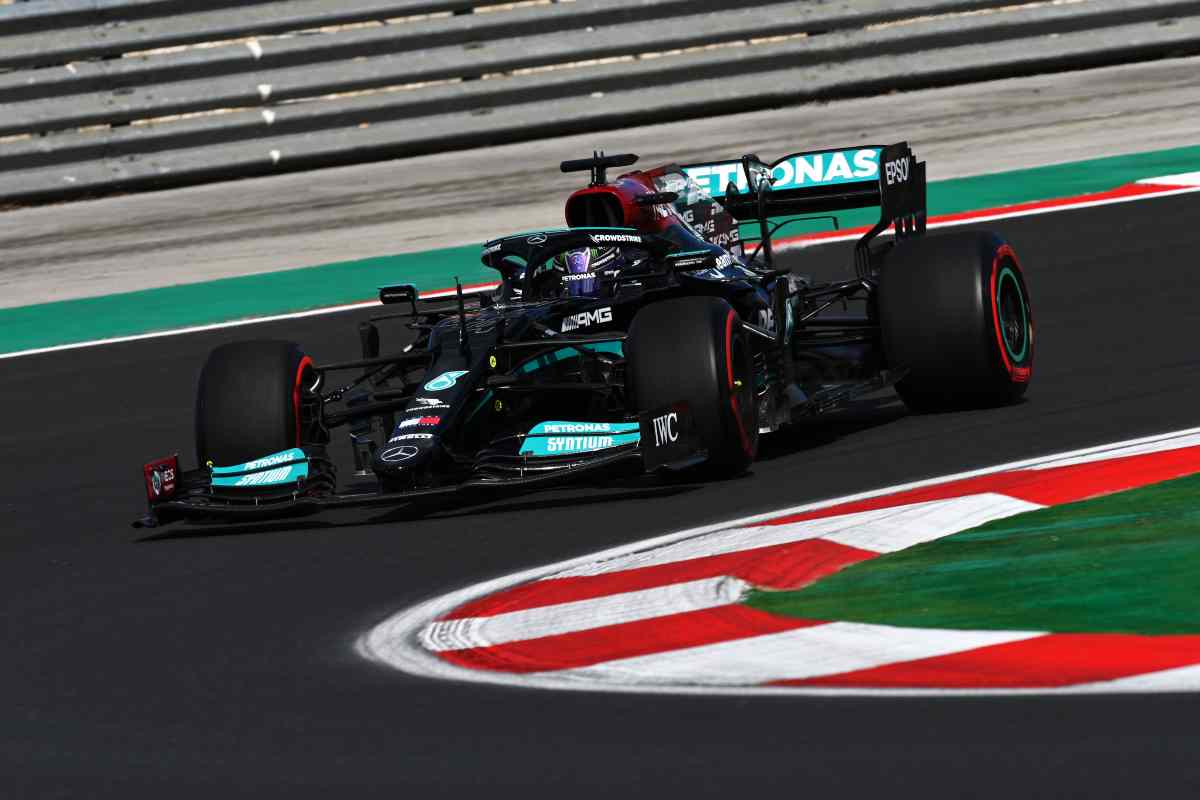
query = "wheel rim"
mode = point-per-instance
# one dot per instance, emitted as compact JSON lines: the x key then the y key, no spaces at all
{"x":1011,"y":315}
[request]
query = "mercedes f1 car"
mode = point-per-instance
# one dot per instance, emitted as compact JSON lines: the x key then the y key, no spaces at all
{"x":646,"y":336}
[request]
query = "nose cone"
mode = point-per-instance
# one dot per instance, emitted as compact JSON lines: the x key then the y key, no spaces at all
{"x":404,"y":451}
{"x":396,"y":457}
{"x":412,"y":441}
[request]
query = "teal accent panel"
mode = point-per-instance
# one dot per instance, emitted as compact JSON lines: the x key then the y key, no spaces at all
{"x":274,"y":476}
{"x":576,"y":443}
{"x":829,"y":168}
{"x":274,"y":460}
{"x":549,"y":359}
{"x":554,"y":427}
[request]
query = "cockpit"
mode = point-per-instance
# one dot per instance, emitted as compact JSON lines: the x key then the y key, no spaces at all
{"x":573,"y":262}
{"x":595,"y":272}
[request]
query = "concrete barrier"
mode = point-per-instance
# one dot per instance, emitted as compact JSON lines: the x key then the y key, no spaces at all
{"x":106,"y":95}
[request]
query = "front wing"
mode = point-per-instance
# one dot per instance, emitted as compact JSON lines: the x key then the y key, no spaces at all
{"x":300,"y":482}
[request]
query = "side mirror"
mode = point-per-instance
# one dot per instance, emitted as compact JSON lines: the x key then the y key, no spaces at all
{"x":656,"y":199}
{"x":400,"y":293}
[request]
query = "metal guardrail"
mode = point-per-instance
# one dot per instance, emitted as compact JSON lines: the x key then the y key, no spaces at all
{"x":104,"y":95}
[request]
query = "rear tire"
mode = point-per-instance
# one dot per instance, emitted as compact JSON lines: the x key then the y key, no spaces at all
{"x":248,"y":401}
{"x":955,"y":312}
{"x":693,"y":349}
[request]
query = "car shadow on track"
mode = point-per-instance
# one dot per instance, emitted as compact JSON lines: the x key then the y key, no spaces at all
{"x":860,"y":415}
{"x":626,"y":489}
{"x":821,"y":431}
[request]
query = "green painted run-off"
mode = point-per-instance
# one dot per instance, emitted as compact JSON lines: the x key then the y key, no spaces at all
{"x":344,"y":282}
{"x":1125,"y":563}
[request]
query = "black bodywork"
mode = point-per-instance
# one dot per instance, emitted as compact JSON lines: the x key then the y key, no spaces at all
{"x":461,"y":409}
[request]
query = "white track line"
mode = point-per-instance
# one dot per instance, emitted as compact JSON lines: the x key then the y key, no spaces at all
{"x":923,"y":522}
{"x":803,"y":653}
{"x":1000,"y":214}
{"x":1180,"y":179}
{"x":1180,"y":679}
{"x":880,"y":530}
{"x":395,"y":641}
{"x":1135,"y":449}
{"x":534,"y":623}
{"x":315,"y":312}
{"x":792,"y":244}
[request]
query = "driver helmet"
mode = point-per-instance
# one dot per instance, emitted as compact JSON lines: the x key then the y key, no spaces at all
{"x":585,"y":261}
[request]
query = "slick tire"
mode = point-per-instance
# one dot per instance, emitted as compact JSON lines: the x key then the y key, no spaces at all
{"x":693,"y":349}
{"x":248,"y":401}
{"x":955,"y":313}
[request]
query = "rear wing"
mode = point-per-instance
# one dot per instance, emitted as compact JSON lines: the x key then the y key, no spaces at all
{"x":818,"y":181}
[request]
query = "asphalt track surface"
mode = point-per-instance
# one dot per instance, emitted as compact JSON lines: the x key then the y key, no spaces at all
{"x":219,"y":662}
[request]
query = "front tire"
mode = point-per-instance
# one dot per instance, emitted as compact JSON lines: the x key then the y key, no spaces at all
{"x":693,"y":349}
{"x":955,"y":313}
{"x":248,"y":401}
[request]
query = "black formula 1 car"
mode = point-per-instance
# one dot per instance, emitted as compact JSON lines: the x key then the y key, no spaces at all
{"x":645,"y":336}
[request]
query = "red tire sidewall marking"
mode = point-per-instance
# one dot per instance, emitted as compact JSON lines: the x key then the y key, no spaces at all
{"x":733,"y":400}
{"x":305,"y":363}
{"x":1016,"y":374}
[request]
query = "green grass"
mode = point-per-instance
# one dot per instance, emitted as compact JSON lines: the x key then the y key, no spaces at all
{"x":1127,"y":562}
{"x":183,"y":306}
